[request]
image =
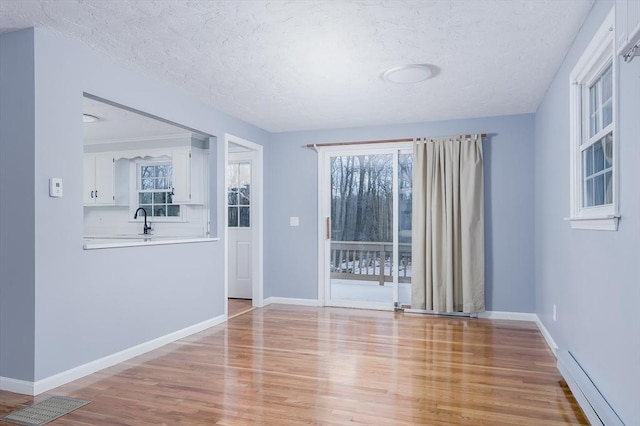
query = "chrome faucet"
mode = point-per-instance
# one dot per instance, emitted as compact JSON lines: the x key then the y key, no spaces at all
{"x":146,"y":228}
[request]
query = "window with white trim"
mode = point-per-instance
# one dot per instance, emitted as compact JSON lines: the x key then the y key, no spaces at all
{"x":593,"y":135}
{"x":155,"y":189}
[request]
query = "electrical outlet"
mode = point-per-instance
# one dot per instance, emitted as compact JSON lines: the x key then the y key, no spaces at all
{"x":555,"y":313}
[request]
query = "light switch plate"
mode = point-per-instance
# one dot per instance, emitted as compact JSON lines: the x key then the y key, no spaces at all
{"x":294,"y":221}
{"x":55,"y":187}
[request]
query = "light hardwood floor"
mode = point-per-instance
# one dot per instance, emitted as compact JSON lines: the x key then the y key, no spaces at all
{"x":237,"y":307}
{"x":292,"y":365}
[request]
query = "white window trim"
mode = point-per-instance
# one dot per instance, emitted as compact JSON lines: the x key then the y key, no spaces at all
{"x":599,"y":54}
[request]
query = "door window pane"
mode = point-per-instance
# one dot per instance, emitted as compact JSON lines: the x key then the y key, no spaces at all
{"x":233,"y":197}
{"x":244,"y":221}
{"x":244,"y":195}
{"x":233,"y":217}
{"x":362,"y":228}
{"x":362,"y":198}
{"x":239,"y":194}
{"x":244,"y":174}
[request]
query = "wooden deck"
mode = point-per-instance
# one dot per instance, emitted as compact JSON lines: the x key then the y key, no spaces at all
{"x":292,"y":365}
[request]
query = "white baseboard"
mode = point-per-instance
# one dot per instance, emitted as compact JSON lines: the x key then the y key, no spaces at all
{"x":547,"y":336}
{"x":290,"y":301}
{"x":16,"y":386}
{"x":40,"y":386}
{"x":517,"y":316}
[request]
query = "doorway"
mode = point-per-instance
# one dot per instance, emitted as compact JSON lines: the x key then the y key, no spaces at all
{"x":365,"y":242}
{"x":243,"y":225}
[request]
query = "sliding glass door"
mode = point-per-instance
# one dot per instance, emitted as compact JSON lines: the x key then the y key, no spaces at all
{"x":366,"y":206}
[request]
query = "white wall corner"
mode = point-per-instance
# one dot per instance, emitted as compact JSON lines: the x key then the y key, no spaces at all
{"x":547,"y":336}
{"x":291,"y":301}
{"x":16,"y":386}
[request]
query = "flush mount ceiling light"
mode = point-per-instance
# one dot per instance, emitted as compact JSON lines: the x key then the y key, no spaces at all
{"x":408,"y":74}
{"x":88,"y":118}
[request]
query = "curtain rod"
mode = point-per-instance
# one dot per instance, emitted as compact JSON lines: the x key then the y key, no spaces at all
{"x":320,"y":145}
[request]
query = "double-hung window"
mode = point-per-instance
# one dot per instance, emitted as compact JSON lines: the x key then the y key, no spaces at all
{"x":593,"y":134}
{"x":155,"y":189}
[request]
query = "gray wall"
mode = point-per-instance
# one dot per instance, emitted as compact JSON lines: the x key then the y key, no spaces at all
{"x":291,"y":253}
{"x":593,"y":277}
{"x":90,"y":304}
{"x":17,"y":235}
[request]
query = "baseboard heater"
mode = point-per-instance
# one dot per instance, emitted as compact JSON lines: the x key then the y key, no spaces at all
{"x":595,"y":407}
{"x":401,"y":308}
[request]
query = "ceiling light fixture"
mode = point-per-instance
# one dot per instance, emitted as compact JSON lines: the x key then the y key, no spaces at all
{"x":88,"y":118}
{"x":408,"y":74}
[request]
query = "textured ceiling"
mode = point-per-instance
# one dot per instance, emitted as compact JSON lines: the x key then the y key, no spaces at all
{"x":295,"y":65}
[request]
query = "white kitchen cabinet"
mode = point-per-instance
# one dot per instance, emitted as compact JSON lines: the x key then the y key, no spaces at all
{"x":627,"y":25}
{"x":98,"y":179}
{"x":188,"y":175}
{"x":121,"y":181}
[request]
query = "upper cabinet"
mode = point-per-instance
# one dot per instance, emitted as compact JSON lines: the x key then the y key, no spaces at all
{"x":152,"y":178}
{"x":99,"y":179}
{"x":188,"y":175}
{"x":627,"y":26}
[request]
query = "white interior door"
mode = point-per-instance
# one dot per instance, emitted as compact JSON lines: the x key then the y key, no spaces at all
{"x":241,"y":216}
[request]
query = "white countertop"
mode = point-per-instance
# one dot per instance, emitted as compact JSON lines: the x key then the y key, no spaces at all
{"x":93,"y":242}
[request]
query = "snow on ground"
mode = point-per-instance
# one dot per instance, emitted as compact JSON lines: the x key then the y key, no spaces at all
{"x":368,"y":291}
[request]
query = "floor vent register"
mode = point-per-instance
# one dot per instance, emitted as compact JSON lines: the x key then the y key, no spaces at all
{"x":44,"y":411}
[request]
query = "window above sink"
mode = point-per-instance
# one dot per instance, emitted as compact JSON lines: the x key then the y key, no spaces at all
{"x":155,"y":189}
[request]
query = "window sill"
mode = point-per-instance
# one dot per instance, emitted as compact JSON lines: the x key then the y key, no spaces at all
{"x":597,"y":223}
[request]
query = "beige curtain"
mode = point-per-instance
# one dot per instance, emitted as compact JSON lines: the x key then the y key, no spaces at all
{"x":448,"y":225}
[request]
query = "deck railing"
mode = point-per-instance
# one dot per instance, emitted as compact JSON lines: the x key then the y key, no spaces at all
{"x":369,"y":261}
